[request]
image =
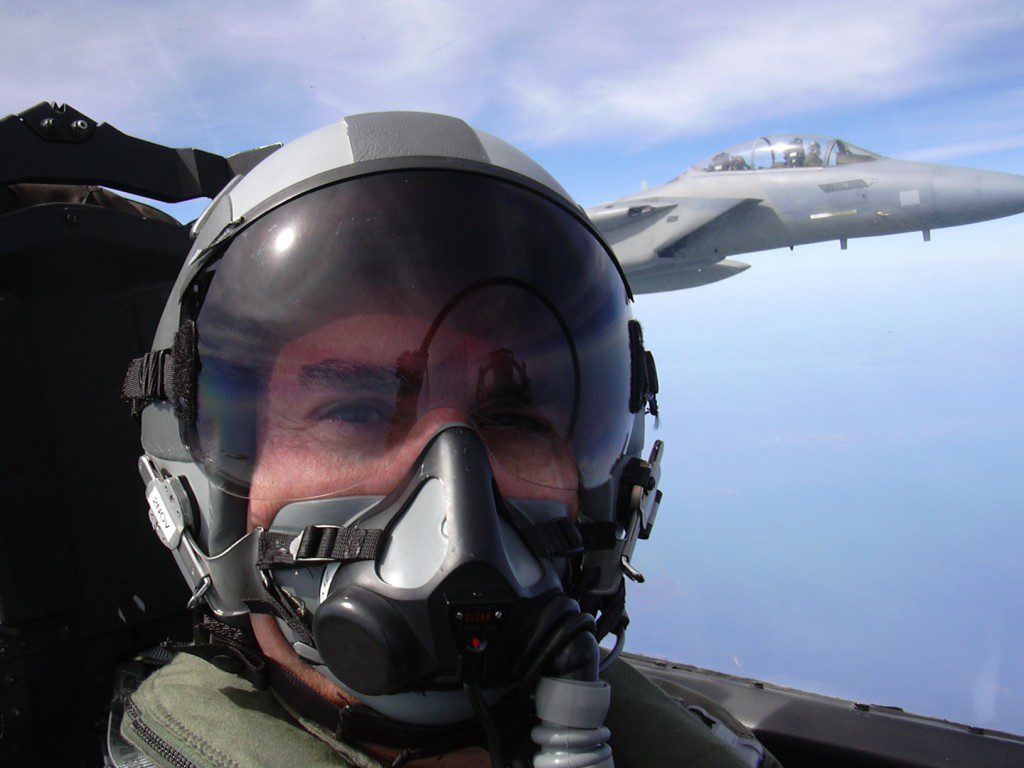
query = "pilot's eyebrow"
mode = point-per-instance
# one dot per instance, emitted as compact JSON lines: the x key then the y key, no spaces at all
{"x":339,"y":373}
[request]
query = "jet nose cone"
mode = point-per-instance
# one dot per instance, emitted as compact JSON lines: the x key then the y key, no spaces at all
{"x":964,"y":195}
{"x":1003,"y":192}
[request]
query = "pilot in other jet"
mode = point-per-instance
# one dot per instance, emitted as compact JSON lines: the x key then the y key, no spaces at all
{"x":793,"y":155}
{"x":737,"y":163}
{"x":813,"y":159}
{"x":720,"y":162}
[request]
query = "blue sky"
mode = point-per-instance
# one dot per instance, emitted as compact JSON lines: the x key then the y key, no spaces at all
{"x":844,"y":509}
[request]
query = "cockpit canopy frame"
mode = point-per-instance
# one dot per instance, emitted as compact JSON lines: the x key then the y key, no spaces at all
{"x":786,"y":150}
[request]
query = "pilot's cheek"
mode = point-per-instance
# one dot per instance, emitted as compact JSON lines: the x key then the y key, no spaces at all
{"x":512,"y":486}
{"x":261,"y":513}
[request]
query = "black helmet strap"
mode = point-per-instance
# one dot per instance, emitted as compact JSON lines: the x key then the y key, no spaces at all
{"x":236,"y":651}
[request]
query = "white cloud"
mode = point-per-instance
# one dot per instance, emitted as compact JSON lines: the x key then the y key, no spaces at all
{"x":538,"y":73}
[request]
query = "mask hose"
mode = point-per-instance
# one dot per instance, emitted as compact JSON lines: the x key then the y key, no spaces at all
{"x":613,"y":654}
{"x":486,"y":719}
{"x":572,"y":702}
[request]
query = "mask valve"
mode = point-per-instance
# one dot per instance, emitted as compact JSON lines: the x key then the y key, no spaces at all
{"x":476,"y":626}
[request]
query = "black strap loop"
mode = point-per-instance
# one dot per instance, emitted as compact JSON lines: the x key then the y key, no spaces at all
{"x":281,"y":610}
{"x":613,"y":617}
{"x":148,"y":379}
{"x":165,"y":375}
{"x":554,"y":538}
{"x":643,"y":381}
{"x":599,"y":535}
{"x":217,"y":643}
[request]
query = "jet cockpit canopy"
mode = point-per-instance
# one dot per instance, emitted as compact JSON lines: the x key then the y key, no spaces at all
{"x":787,"y":150}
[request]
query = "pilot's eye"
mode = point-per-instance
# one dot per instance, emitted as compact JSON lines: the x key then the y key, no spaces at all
{"x":367,"y":413}
{"x":521,"y":419}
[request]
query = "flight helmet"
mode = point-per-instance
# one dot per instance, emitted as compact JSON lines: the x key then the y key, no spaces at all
{"x":396,"y":400}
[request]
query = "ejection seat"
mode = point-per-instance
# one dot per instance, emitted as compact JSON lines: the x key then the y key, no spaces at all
{"x":84,"y":274}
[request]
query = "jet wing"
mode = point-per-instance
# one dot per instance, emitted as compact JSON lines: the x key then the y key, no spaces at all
{"x":675,"y":276}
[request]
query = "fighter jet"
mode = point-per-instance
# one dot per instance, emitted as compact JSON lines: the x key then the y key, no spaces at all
{"x":788,"y":190}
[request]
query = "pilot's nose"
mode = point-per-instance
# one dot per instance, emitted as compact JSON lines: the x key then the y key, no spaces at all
{"x":430,"y":422}
{"x":965,"y":195}
{"x":512,"y":485}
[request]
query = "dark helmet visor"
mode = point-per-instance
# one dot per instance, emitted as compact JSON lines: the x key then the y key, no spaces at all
{"x":340,"y":330}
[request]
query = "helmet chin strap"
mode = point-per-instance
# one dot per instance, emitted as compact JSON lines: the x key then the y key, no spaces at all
{"x":237,"y":651}
{"x":570,"y":700}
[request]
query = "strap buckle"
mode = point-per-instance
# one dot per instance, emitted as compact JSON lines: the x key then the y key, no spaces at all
{"x":199,"y":594}
{"x":320,"y":544}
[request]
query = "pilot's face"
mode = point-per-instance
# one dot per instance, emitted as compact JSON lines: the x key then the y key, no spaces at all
{"x":340,"y":417}
{"x":337,"y":422}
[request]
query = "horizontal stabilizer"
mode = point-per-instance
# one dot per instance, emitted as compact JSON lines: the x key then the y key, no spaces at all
{"x":694,"y":213}
{"x":640,"y":230}
{"x":682,"y":276}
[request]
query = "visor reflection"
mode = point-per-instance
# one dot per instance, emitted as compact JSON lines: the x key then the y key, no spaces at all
{"x":336,"y":330}
{"x":334,"y":402}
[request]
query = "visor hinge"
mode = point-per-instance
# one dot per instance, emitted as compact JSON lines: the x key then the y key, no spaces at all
{"x":169,"y":508}
{"x":170,"y":514}
{"x":641,"y":479}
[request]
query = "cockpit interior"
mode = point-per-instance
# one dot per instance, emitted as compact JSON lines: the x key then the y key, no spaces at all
{"x":786,"y":150}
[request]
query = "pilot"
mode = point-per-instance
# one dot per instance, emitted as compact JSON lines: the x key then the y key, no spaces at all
{"x":793,"y":155}
{"x":721,"y":162}
{"x":392,"y":424}
{"x":738,"y":163}
{"x":813,"y":159}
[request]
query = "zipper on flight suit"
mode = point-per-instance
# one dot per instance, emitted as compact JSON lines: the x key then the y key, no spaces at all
{"x":144,"y":732}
